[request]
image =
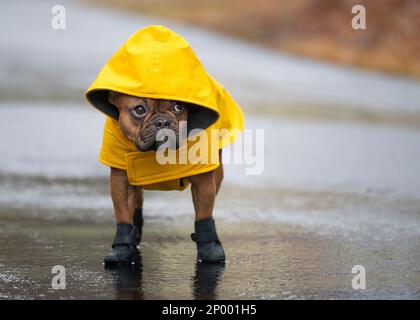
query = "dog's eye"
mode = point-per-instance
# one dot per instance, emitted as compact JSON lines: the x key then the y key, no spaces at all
{"x":139,"y":111}
{"x":177,"y":107}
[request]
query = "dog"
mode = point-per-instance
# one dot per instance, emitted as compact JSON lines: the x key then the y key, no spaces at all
{"x":140,"y":120}
{"x":155,"y":83}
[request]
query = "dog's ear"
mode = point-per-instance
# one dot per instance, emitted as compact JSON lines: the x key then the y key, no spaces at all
{"x":113,"y":97}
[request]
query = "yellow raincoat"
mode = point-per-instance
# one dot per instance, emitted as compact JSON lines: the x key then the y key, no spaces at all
{"x":157,"y":63}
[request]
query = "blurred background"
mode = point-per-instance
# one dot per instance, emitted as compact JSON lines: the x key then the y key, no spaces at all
{"x":340,"y":109}
{"x":313,"y":28}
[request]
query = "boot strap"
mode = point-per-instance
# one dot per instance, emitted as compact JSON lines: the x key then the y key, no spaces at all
{"x":138,"y":217}
{"x":204,"y":237}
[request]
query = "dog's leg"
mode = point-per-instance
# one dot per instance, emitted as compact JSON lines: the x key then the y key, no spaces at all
{"x":134,"y":199}
{"x":124,"y":199}
{"x":122,"y":195}
{"x":204,"y":188}
{"x":218,"y":174}
{"x":135,"y":204}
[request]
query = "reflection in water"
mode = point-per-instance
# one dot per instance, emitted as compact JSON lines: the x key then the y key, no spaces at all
{"x":206,"y":278}
{"x":128,"y":279}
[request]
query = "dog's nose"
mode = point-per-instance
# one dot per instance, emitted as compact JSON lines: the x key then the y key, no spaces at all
{"x":162,"y":123}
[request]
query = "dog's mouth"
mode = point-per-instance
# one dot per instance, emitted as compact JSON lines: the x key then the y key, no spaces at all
{"x":164,"y":138}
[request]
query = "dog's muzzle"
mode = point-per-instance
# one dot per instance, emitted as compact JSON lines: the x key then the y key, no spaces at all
{"x":162,"y":130}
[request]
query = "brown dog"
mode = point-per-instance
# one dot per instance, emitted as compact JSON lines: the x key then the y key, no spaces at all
{"x":140,"y":119}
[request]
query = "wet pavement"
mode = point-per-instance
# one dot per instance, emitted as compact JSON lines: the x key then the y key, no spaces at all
{"x":333,"y":194}
{"x":265,"y":261}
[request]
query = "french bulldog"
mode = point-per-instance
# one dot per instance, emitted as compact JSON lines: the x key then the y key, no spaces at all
{"x":140,"y":120}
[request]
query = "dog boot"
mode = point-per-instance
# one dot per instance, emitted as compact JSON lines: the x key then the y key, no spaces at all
{"x":209,"y":248}
{"x":138,"y":222}
{"x":124,"y":245}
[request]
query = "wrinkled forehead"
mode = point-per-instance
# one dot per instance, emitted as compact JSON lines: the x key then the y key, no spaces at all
{"x":158,"y":103}
{"x":126,"y":100}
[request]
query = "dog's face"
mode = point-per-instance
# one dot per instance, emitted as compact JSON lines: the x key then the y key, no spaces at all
{"x":141,"y":119}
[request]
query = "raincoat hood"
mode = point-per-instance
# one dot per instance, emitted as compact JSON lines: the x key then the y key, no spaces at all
{"x":158,"y":63}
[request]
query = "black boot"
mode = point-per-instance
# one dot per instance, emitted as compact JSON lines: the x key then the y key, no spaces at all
{"x":138,"y":222}
{"x":209,"y":248}
{"x":124,"y":245}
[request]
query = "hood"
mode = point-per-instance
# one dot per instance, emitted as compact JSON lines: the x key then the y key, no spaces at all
{"x":158,"y":63}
